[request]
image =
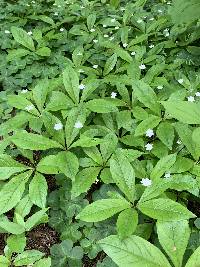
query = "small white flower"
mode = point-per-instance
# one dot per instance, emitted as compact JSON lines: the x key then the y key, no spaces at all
{"x":111,"y":38}
{"x":142,"y":67}
{"x":78,"y":125}
{"x":95,"y":66}
{"x":58,"y":126}
{"x":160,"y":11}
{"x":116,"y":28}
{"x":27,"y":4}
{"x":179,"y":142}
{"x":144,"y":17}
{"x":82,"y":7}
{"x":79,"y":54}
{"x":191,"y":98}
{"x":169,"y":3}
{"x":125,"y":45}
{"x":151,"y":46}
{"x":149,"y":133}
{"x":24,"y":91}
{"x":167,"y":175}
{"x":80,"y":70}
{"x":104,"y":25}
{"x":146,"y":182}
{"x":54,"y":4}
{"x":95,"y":41}
{"x":56,"y":13}
{"x":29,"y":33}
{"x":149,"y":147}
{"x":6,"y":31}
{"x":106,"y":35}
{"x":122,"y":8}
{"x":151,"y":19}
{"x":33,"y":2}
{"x":62,"y":29}
{"x":59,"y":6}
{"x":197,"y":94}
{"x":133,"y":53}
{"x":180,"y":81}
{"x":81,"y":86}
{"x":92,"y":30}
{"x":30,"y":107}
{"x":160,"y":87}
{"x":166,"y":32}
{"x":113,"y":20}
{"x":113,"y":95}
{"x":139,"y":21}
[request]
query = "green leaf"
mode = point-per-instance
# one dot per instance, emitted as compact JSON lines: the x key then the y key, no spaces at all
{"x":16,"y":243}
{"x":110,"y":64}
{"x":123,"y":54}
{"x":133,"y":251}
{"x":43,"y":262}
{"x":49,"y":165}
{"x":17,"y":53}
{"x":149,"y":123}
{"x":4,"y":262}
{"x":194,"y":259}
{"x":161,"y":208}
{"x":183,"y":111}
{"x":43,"y":51}
{"x":12,"y":191}
{"x":123,"y":174}
{"x":9,"y":166}
{"x":101,"y":106}
{"x":83,"y":180}
{"x":59,"y":101}
{"x":102,"y":209}
{"x":38,"y":190}
{"x":173,"y":237}
{"x":20,"y":102}
{"x":127,"y":222}
{"x":13,"y":228}
{"x":28,"y":257}
{"x":22,"y":37}
{"x":165,"y":133}
{"x":182,"y":164}
{"x":108,"y":146}
{"x":68,"y":163}
{"x":196,"y":139}
{"x":32,"y":141}
{"x":40,"y":92}
{"x":85,"y":141}
{"x":24,"y":206}
{"x":34,"y":219}
{"x":71,"y":83}
{"x":90,"y":86}
{"x":146,"y":95}
{"x":163,"y":165}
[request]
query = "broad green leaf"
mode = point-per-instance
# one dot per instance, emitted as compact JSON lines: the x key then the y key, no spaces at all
{"x":123,"y":174}
{"x":17,"y":53}
{"x":85,"y":141}
{"x":94,"y":154}
{"x":108,"y":146}
{"x":102,"y":209}
{"x":165,"y":133}
{"x":184,"y":111}
{"x":71,"y":83}
{"x":22,"y":37}
{"x":43,"y":51}
{"x":101,"y":106}
{"x":59,"y":101}
{"x":83,"y":180}
{"x":196,"y":139}
{"x":28,"y":257}
{"x":32,"y":141}
{"x":40,"y":92}
{"x":163,"y":165}
{"x":20,"y":102}
{"x":127,"y":222}
{"x":13,"y":228}
{"x":38,"y":190}
{"x":149,"y":123}
{"x":123,"y":54}
{"x":35,"y":219}
{"x":91,"y":21}
{"x":68,"y":163}
{"x":146,"y":95}
{"x":12,"y":191}
{"x":160,"y":209}
{"x":4,"y":262}
{"x":194,"y":259}
{"x":181,"y":182}
{"x":134,"y":251}
{"x":90,"y":87}
{"x":182,"y":164}
{"x":110,"y":64}
{"x":24,"y":206}
{"x":48,"y":165}
{"x":16,"y":243}
{"x":173,"y":237}
{"x":124,"y":120}
{"x":43,"y":262}
{"x":9,"y":166}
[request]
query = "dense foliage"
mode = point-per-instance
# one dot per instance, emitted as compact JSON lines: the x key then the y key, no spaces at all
{"x":103,"y":99}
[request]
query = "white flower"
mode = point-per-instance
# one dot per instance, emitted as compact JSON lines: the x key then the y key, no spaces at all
{"x":106,"y":35}
{"x":197,"y":94}
{"x":59,"y":6}
{"x":139,"y":21}
{"x":24,"y":91}
{"x":144,"y":17}
{"x":80,"y":70}
{"x":166,"y":32}
{"x":142,"y":67}
{"x":116,"y":28}
{"x":146,"y":182}
{"x":133,"y":53}
{"x":29,"y":33}
{"x":27,"y":4}
{"x":122,"y":8}
{"x":149,"y":133}
{"x":82,"y":7}
{"x":79,"y":54}
{"x":104,"y":25}
{"x":81,"y":86}
{"x":151,"y":46}
{"x":167,"y":175}
{"x":113,"y":95}
{"x":58,"y":126}
{"x":160,"y":11}
{"x":151,"y":19}
{"x":33,"y":2}
{"x":54,"y":4}
{"x":92,"y":30}
{"x":113,"y":20}
{"x":62,"y":29}
{"x":159,"y":87}
{"x":6,"y":31}
{"x":30,"y":107}
{"x":111,"y":38}
{"x":180,"y":81}
{"x":125,"y":45}
{"x":191,"y":98}
{"x":95,"y":66}
{"x":78,"y":125}
{"x":169,"y":3}
{"x":149,"y":147}
{"x":95,"y":41}
{"x":56,"y":13}
{"x":179,"y":142}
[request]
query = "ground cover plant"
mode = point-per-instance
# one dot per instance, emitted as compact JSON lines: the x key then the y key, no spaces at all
{"x":100,"y":135}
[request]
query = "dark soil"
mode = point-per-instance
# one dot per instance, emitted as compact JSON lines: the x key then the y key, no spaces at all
{"x":51,"y":181}
{"x":2,"y":243}
{"x":87,"y":262}
{"x":42,"y":238}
